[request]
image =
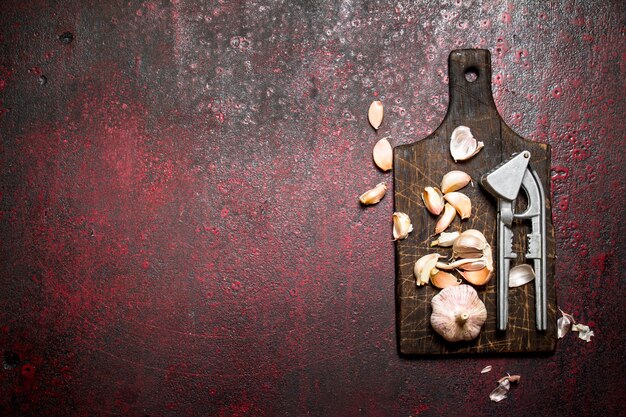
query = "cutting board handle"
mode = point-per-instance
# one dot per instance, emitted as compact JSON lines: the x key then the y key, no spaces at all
{"x":469,"y":74}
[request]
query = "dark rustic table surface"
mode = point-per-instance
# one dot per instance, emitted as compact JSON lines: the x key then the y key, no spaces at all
{"x":179,"y":228}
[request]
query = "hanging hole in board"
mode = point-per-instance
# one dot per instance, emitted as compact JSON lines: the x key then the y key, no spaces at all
{"x":471,"y":74}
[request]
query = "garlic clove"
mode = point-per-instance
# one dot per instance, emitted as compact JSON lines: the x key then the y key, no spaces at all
{"x":460,"y":202}
{"x":433,"y":200}
{"x":424,"y":267}
{"x":446,"y":218}
{"x":480,"y":277}
{"x":474,"y":266}
{"x":443,"y":279}
{"x":375,"y":114}
{"x":458,"y":313}
{"x":445,"y":240}
{"x":454,"y":180}
{"x":463,"y":145}
{"x":486,"y":369}
{"x":374,"y":195}
{"x":383,"y":154}
{"x":520,"y":275}
{"x":564,"y":323}
{"x":401,"y":226}
{"x":470,"y":244}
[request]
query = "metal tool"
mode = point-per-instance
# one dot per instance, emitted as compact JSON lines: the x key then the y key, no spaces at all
{"x":504,"y":183}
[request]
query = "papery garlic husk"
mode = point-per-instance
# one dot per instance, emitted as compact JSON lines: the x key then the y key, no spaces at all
{"x":463,"y":145}
{"x":458,"y":313}
{"x":470,"y":244}
{"x":401,"y":226}
{"x":454,"y":180}
{"x":480,"y":277}
{"x":486,"y":369}
{"x":445,"y":239}
{"x":446,"y":218}
{"x":424,"y":267}
{"x":442,"y":279}
{"x":433,"y":200}
{"x":374,"y":195}
{"x":584,"y":332}
{"x":375,"y":114}
{"x":383,"y":155}
{"x":460,"y":202}
{"x":501,"y":391}
{"x":520,"y":275}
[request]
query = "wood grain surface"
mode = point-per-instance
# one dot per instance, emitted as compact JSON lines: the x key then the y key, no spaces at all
{"x":423,"y":163}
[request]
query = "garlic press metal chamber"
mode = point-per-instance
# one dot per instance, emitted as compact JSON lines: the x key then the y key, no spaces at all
{"x":504,"y":182}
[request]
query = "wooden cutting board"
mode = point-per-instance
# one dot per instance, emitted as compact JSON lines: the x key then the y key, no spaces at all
{"x":423,"y":163}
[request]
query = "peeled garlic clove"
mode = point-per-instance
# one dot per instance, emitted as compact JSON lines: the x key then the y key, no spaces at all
{"x":480,"y":277}
{"x":374,"y":195}
{"x":443,"y":279}
{"x":446,"y":218}
{"x":458,"y":313}
{"x":433,"y":200}
{"x":424,"y":267}
{"x":520,"y":275}
{"x":470,"y":244}
{"x":375,"y":114}
{"x":460,"y":202}
{"x":454,"y":180}
{"x":463,"y":145}
{"x":445,"y":240}
{"x":383,"y":155}
{"x":401,"y":225}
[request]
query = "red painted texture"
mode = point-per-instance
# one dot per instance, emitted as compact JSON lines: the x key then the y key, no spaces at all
{"x":180,"y":233}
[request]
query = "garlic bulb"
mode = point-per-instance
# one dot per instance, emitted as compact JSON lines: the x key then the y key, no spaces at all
{"x":463,"y":145}
{"x":458,"y":313}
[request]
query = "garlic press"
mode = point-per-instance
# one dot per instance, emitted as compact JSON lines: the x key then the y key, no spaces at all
{"x":504,"y":182}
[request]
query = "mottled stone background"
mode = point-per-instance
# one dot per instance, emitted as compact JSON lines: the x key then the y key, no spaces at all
{"x":179,"y":228}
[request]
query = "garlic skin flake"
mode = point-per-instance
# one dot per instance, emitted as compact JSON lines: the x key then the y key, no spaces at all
{"x":520,"y":275}
{"x":433,"y":200}
{"x":375,"y":114}
{"x":486,"y":369}
{"x":383,"y":154}
{"x":424,"y":267}
{"x":454,"y":181}
{"x":401,"y":226}
{"x":458,"y":313}
{"x":463,"y":145}
{"x":446,"y":218}
{"x":461,"y":203}
{"x":374,"y":195}
{"x":584,"y":332}
{"x":445,"y":239}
